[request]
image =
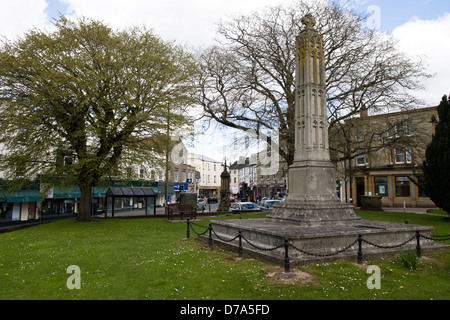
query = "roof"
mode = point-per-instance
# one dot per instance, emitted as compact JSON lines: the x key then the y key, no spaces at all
{"x":203,"y":158}
{"x":130,"y":192}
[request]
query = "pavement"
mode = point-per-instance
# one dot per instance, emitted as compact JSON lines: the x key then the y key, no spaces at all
{"x":408,"y":210}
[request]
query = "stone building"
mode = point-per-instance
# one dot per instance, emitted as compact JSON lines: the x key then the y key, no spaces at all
{"x":378,"y":154}
{"x":209,"y":171}
{"x":246,"y":175}
{"x":274,"y":185}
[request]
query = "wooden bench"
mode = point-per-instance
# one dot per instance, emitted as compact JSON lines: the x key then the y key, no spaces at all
{"x":182,"y":209}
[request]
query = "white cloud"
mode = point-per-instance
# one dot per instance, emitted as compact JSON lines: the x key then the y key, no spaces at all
{"x":18,"y":16}
{"x":429,"y":38}
{"x":189,"y":22}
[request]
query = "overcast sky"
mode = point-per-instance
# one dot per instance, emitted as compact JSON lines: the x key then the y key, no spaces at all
{"x":421,"y":26}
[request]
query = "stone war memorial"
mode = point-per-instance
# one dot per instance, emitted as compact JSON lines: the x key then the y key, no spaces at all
{"x":313,"y":223}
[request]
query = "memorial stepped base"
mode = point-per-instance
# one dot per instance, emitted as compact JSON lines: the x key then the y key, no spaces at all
{"x":321,"y":243}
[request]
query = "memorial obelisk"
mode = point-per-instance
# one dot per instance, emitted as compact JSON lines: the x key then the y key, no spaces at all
{"x":312,"y":176}
{"x":313,"y":219}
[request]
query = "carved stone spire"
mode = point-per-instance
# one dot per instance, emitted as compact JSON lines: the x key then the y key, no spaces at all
{"x":312,"y":176}
{"x":310,"y":104}
{"x":308,"y":21}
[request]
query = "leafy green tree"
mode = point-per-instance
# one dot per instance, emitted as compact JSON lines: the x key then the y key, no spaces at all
{"x":436,"y":166}
{"x":95,"y":93}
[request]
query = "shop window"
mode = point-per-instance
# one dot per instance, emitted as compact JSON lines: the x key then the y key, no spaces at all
{"x":402,"y":187}
{"x":381,"y":186}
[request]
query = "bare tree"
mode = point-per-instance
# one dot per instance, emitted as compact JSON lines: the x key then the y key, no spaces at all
{"x":248,"y":79}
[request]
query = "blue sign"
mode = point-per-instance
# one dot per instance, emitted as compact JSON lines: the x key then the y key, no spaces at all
{"x":180,"y":186}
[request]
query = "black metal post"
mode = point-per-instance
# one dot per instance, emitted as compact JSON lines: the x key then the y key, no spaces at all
{"x":188,"y":231}
{"x":418,"y":248}
{"x":112,"y":208}
{"x":210,"y":234}
{"x":360,"y":255}
{"x":287,"y":264}
{"x":240,"y":244}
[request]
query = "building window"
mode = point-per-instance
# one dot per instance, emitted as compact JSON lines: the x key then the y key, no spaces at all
{"x":402,"y":155}
{"x":409,"y":128}
{"x":390,"y":130}
{"x":408,"y":154}
{"x":359,"y":134}
{"x":184,"y":176}
{"x":399,"y":131}
{"x":402,"y":187}
{"x":361,"y":158}
{"x":141,"y":173}
{"x":399,"y":155}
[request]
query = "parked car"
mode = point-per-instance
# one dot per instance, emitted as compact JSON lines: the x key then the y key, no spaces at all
{"x":268,"y":204}
{"x":201,"y":203}
{"x":212,"y":199}
{"x":244,"y":206}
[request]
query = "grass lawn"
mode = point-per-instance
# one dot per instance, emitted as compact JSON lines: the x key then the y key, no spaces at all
{"x":151,"y":259}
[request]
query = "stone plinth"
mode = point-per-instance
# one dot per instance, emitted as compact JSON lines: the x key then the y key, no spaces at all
{"x":371,"y":203}
{"x":308,"y":210}
{"x":323,"y":241}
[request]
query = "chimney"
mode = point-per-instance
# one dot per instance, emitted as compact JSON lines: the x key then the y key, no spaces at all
{"x":363,"y":112}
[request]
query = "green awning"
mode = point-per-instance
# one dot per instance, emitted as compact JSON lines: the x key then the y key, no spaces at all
{"x":75,"y":193}
{"x":22,"y":196}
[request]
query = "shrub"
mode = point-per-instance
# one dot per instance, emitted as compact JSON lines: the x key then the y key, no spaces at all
{"x":408,"y":259}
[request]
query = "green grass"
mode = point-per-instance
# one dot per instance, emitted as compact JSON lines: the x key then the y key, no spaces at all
{"x":150,"y":259}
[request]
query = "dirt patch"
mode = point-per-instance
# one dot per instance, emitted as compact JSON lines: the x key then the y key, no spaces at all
{"x":231,"y":259}
{"x":432,"y":260}
{"x":293,"y":277}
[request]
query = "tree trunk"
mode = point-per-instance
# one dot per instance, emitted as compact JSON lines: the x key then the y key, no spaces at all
{"x":84,"y":210}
